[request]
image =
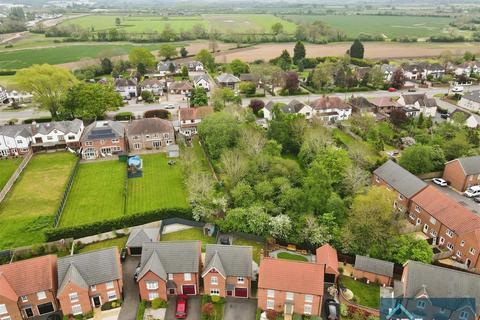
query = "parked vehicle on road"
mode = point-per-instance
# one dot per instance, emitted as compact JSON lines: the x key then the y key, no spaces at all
{"x":170,"y":106}
{"x":458,"y":89}
{"x":392,"y":89}
{"x":477,"y":199}
{"x":440,"y":182}
{"x":472,"y":192}
{"x":181,"y":307}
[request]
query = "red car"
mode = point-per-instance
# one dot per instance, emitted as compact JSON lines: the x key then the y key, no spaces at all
{"x":181,"y":310}
{"x":392,"y":90}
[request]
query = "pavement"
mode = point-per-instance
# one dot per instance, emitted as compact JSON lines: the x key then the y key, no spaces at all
{"x":193,"y":309}
{"x":459,"y":197}
{"x":240,"y":309}
{"x":131,"y":295}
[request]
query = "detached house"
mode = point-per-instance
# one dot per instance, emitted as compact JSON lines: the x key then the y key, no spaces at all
{"x":88,"y":280}
{"x":169,"y":268}
{"x":293,"y":107}
{"x":467,"y":68}
{"x":385,"y":104}
{"x":228,"y":80}
{"x":331,"y":109}
{"x":102,"y":139}
{"x":28,"y":288}
{"x":228,"y":271}
{"x":127,"y":88}
{"x":414,"y":71}
{"x":463,"y":172}
{"x":388,"y":71}
{"x":195,"y":66}
{"x":414,"y":104}
{"x":166,"y":68}
{"x":202,"y":81}
{"x":180,"y":87}
{"x":189,"y":119}
{"x":150,"y":133}
{"x":470,"y":101}
{"x":153,"y":85}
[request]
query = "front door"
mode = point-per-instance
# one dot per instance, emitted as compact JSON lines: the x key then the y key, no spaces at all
{"x":28,"y":312}
{"x":468,"y":262}
{"x":288,"y":308}
{"x":425,"y":228}
{"x":97,"y":301}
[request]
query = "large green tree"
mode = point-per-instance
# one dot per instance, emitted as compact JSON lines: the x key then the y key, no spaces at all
{"x":420,"y":159}
{"x":238,"y":66}
{"x":167,"y":51}
{"x":199,"y":97}
{"x":357,"y":50}
{"x":206,"y":58}
{"x":219,"y":132}
{"x":141,"y":55}
{"x":299,"y":52}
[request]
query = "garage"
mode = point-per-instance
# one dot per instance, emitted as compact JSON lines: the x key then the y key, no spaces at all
{"x":189,"y":289}
{"x":241,"y":292}
{"x":45,"y":308}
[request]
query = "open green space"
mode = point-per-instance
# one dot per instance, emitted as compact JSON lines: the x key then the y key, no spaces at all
{"x":367,"y":295}
{"x":291,"y":256}
{"x":7,"y":168}
{"x":247,"y":22}
{"x":160,"y":187}
{"x":31,"y":204}
{"x":97,"y":193}
{"x":390,"y":26}
{"x":189,"y":234}
{"x":256,"y":247}
{"x":117,"y":242}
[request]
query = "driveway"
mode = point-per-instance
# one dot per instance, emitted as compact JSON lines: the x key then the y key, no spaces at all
{"x":460,"y":198}
{"x":131,"y":297}
{"x":193,"y":312}
{"x":240,"y":309}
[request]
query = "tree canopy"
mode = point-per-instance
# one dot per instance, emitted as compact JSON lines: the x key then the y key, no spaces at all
{"x":143,"y":56}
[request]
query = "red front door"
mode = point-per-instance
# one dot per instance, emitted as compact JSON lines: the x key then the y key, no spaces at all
{"x":241,"y":292}
{"x":189,"y":289}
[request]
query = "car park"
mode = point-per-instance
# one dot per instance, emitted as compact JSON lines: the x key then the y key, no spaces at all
{"x":181,"y":307}
{"x":440,"y":182}
{"x":472,"y":192}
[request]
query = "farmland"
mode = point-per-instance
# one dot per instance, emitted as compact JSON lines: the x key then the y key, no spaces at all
{"x":7,"y":168}
{"x":30,"y":206}
{"x":244,"y":22}
{"x":97,"y":193}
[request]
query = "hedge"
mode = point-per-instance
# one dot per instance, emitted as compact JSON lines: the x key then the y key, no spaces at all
{"x":38,"y":120}
{"x":122,"y":116}
{"x":53,"y":234}
{"x":7,"y":72}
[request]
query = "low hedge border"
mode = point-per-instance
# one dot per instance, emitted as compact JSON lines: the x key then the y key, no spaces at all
{"x":53,"y":234}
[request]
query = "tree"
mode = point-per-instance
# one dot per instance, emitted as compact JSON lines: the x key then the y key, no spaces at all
{"x":252,"y":141}
{"x":141,"y":69}
{"x":401,"y":248}
{"x":141,"y":55}
{"x":219,"y":131}
{"x":456,"y":147}
{"x":398,"y":79}
{"x":284,"y":61}
{"x":117,"y":21}
{"x":277,"y":28}
{"x":238,"y":66}
{"x":199,"y":97}
{"x":183,"y":52}
{"x":355,"y":180}
{"x":298,"y":52}
{"x":291,"y":83}
{"x":185,"y":73}
{"x":106,"y":65}
{"x":147,"y":96}
{"x":47,"y":83}
{"x":376,"y":77}
{"x":256,"y":105}
{"x":420,"y":159}
{"x":288,"y":130}
{"x":247,"y":87}
{"x":90,"y":101}
{"x":398,"y":117}
{"x":206,"y":58}
{"x":317,"y":188}
{"x":357,"y":50}
{"x":280,"y":227}
{"x":322,"y":76}
{"x":221,"y":97}
{"x":167,"y":51}
{"x":234,"y":167}
{"x":266,"y":73}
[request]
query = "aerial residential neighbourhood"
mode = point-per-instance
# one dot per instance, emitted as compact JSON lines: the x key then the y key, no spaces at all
{"x":230,"y":160}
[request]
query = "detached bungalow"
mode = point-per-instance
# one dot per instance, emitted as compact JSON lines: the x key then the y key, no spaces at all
{"x":419,"y":101}
{"x":153,"y":85}
{"x":374,"y":270}
{"x":463,"y":172}
{"x":195,"y":66}
{"x":228,"y":80}
{"x":470,"y":101}
{"x":180,"y":87}
{"x":293,"y":107}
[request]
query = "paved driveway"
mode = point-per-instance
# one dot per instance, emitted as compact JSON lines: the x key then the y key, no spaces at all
{"x":240,"y":309}
{"x":193,"y":312}
{"x":131,"y":297}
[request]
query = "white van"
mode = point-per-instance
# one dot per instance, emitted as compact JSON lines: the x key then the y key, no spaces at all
{"x":472,"y":192}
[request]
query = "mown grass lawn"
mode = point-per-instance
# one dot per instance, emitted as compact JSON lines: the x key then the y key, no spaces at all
{"x":365,"y":294}
{"x":256,"y":247}
{"x":31,"y":204}
{"x":7,"y":167}
{"x":97,"y":193}
{"x":350,"y":142}
{"x":291,"y":256}
{"x":117,"y":242}
{"x":160,"y":187}
{"x":189,"y":234}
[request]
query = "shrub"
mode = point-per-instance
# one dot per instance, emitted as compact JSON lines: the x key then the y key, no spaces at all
{"x":38,"y":120}
{"x":147,"y":96}
{"x":111,"y":305}
{"x":272,"y":314}
{"x":160,"y":113}
{"x":208,"y":309}
{"x":141,"y":310}
{"x":122,"y":116}
{"x":158,"y":303}
{"x":248,"y":87}
{"x":7,"y":72}
{"x":215,"y":299}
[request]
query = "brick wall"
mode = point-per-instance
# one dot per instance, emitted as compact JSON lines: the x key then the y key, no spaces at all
{"x":372,"y":277}
{"x":280,"y":299}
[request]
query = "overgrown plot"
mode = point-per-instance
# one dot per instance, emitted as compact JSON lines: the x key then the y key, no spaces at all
{"x":7,"y":168}
{"x":97,"y":193}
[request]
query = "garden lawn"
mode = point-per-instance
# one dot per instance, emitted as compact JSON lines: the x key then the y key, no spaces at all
{"x":366,"y":294}
{"x":189,"y":234}
{"x":31,"y":204}
{"x":97,"y":193}
{"x":7,"y":168}
{"x":117,"y":242}
{"x":256,"y":247}
{"x":160,"y":187}
{"x":291,"y":256}
{"x":200,"y":155}
{"x":350,"y":142}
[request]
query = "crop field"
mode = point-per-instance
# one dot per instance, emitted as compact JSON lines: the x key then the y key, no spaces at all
{"x":390,"y":26}
{"x":7,"y":167}
{"x":247,"y":22}
{"x":160,"y":187}
{"x":30,"y":206}
{"x":97,"y":193}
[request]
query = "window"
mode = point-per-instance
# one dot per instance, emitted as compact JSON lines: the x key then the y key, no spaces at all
{"x":19,"y":141}
{"x":449,"y":233}
{"x":462,"y":243}
{"x":6,"y":318}
{"x":88,"y":143}
{"x":214,"y":292}
{"x":442,"y":240}
{"x":170,"y":276}
{"x":450,"y":246}
{"x":308,"y":298}
{"x":240,"y":279}
{"x":73,"y":297}
{"x":459,"y":254}
{"x":71,"y":137}
{"x":93,"y":288}
{"x":137,"y":146}
{"x":463,"y":315}
{"x":112,"y":295}
{"x":270,"y":304}
{"x":49,"y":138}
{"x":109,"y":285}
{"x":421,"y":304}
{"x":147,"y":136}
{"x":152,"y":285}
{"x":135,"y":137}
{"x":41,"y":295}
{"x":24,"y":298}
{"x":472,"y":251}
{"x":152,"y":295}
{"x":270,"y":293}
{"x":187,"y":276}
{"x":417,"y":208}
{"x":3,"y":309}
{"x":289,"y":296}
{"x":433,"y":220}
{"x":433,"y":233}
{"x":214,"y":280}
{"x":166,"y":135}
{"x":307,"y":309}
{"x":102,"y":141}
{"x":114,"y":140}
{"x":76,"y":309}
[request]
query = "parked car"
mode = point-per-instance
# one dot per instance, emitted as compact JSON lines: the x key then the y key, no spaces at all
{"x":137,"y":272}
{"x":472,"y":192}
{"x":457,"y":89}
{"x":331,"y":309}
{"x":123,"y":254}
{"x":445,"y":115}
{"x":440,"y":182}
{"x":170,"y":106}
{"x":412,"y":90}
{"x":392,"y":89}
{"x":181,"y":308}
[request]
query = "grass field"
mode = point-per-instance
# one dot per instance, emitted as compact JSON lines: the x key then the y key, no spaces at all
{"x":189,"y":234}
{"x":117,"y":242}
{"x":291,"y":256}
{"x":160,"y":187}
{"x":7,"y":167}
{"x":247,"y":22}
{"x":97,"y":193}
{"x":30,"y":206}
{"x":366,"y":294}
{"x":390,"y":26}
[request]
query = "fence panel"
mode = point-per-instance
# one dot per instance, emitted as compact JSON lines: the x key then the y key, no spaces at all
{"x":58,"y":215}
{"x":15,"y":175}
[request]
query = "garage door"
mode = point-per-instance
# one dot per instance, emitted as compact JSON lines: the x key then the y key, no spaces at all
{"x":241,"y":292}
{"x":189,"y":289}
{"x":45,"y":308}
{"x":135,"y":251}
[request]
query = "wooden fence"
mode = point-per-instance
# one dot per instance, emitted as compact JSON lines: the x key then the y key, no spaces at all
{"x":73,"y":174}
{"x":15,"y":175}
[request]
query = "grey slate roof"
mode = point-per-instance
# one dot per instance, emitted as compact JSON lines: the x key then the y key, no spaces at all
{"x":140,"y":235}
{"x":149,"y":126}
{"x":229,"y":260}
{"x":421,"y":98}
{"x":472,"y":95}
{"x":198,"y":78}
{"x":27,"y":130}
{"x":89,"y":268}
{"x":440,"y":282}
{"x":121,"y":82}
{"x":170,"y":257}
{"x":227,"y":78}
{"x":293,"y":106}
{"x":372,"y":265}
{"x":400,"y":179}
{"x":471,"y":165}
{"x":103,"y":129}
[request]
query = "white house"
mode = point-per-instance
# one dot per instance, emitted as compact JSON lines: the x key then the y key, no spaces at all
{"x":189,"y":118}
{"x":153,"y":86}
{"x":201,"y":81}
{"x":426,"y":106}
{"x":388,"y":71}
{"x":127,"y":88}
{"x":470,"y":101}
{"x":166,"y":67}
{"x":195,"y":66}
{"x":468,"y":68}
{"x":471,"y":120}
{"x":331,"y":109}
{"x":435,"y":70}
{"x":14,"y":140}
{"x":294,"y":107}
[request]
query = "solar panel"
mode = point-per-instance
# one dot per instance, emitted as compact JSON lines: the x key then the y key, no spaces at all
{"x":101,"y":134}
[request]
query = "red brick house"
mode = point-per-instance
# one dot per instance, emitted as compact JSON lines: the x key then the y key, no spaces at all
{"x":463,"y":172}
{"x":189,"y":119}
{"x":169,"y":268}
{"x":327,"y":255}
{"x":228,"y":271}
{"x":288,"y":286}
{"x":103,"y":139}
{"x":373,"y":270}
{"x":28,"y":288}
{"x":88,"y":280}
{"x":450,"y":224}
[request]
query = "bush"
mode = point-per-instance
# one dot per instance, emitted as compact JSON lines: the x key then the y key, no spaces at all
{"x":272,"y":314}
{"x":122,"y":116}
{"x":38,"y":120}
{"x":111,"y":305}
{"x":147,"y":96}
{"x":160,"y":113}
{"x":53,"y":234}
{"x":215,"y":299}
{"x":158,"y":303}
{"x":248,"y":87}
{"x":7,"y":72}
{"x":141,"y":310}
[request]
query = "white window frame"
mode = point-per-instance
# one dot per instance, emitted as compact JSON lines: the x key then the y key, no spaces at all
{"x":41,"y":295}
{"x":418,"y":209}
{"x":307,"y":309}
{"x":79,"y":307}
{"x":24,"y":298}
{"x":152,"y":295}
{"x":6,"y":318}
{"x":441,"y":240}
{"x":112,"y":295}
{"x":270,"y":304}
{"x":214,"y":291}
{"x":459,"y":254}
{"x":290,"y":296}
{"x":449,"y":233}
{"x":88,"y":143}
{"x":109,"y":285}
{"x":73,"y":297}
{"x":240,"y":280}
{"x":187,"y":276}
{"x":421,"y":304}
{"x":3,"y":309}
{"x":170,"y":276}
{"x":462,"y":243}
{"x":308,"y":298}
{"x":472,"y":251}
{"x":151,"y":285}
{"x":214,"y":280}
{"x":463,"y":315}
{"x":93,"y":288}
{"x":450,"y":246}
{"x":270,"y":293}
